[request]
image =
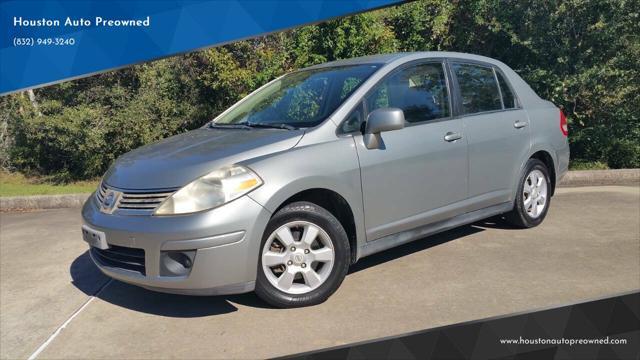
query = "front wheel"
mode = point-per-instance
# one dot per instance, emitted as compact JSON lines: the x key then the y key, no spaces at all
{"x":304,"y":256}
{"x":533,"y":197}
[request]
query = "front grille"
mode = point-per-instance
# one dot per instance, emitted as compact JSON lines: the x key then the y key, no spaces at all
{"x":101,"y":192}
{"x":142,"y":202}
{"x":121,"y":257}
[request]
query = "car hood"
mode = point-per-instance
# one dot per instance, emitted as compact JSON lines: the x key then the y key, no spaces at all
{"x":175,"y":161}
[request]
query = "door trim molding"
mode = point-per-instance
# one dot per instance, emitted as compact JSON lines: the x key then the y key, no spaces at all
{"x":407,"y":236}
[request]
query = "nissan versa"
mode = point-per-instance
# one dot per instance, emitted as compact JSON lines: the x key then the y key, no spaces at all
{"x":286,"y":189}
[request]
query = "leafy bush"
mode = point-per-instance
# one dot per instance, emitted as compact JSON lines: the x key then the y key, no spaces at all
{"x":69,"y":144}
{"x":624,"y":154}
{"x":582,"y":55}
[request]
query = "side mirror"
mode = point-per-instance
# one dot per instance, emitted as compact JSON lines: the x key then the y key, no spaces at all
{"x":384,"y":119}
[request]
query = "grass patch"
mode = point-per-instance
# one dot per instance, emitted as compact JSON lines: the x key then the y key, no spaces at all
{"x":15,"y":184}
{"x":587,"y":165}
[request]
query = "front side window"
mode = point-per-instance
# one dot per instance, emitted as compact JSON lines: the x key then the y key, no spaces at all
{"x":478,"y":88}
{"x":300,"y":99}
{"x":420,"y":91}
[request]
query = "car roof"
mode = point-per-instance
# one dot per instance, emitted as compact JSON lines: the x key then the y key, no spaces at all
{"x":389,"y":58}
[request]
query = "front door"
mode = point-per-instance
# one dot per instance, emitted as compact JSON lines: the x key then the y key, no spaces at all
{"x":416,"y":176}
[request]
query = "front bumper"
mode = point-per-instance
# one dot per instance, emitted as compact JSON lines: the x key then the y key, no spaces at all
{"x":226,"y":241}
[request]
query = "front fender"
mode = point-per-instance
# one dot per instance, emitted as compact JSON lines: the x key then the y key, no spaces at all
{"x":331,"y":165}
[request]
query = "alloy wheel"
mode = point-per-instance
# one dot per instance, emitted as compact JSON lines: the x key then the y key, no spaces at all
{"x":298,"y":257}
{"x":534,"y":193}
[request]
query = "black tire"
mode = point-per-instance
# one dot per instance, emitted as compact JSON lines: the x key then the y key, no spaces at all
{"x":306,"y":211}
{"x":519,"y":217}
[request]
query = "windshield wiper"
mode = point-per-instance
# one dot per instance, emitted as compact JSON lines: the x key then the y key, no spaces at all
{"x":213,"y":125}
{"x":270,"y":126}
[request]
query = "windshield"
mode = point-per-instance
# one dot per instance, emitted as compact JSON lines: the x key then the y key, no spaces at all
{"x":300,"y":99}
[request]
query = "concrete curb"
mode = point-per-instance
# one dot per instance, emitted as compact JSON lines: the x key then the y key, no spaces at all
{"x":16,"y":203}
{"x":601,"y":177}
{"x":572,"y":178}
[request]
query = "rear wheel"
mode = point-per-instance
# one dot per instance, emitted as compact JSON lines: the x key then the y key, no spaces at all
{"x":304,"y":256}
{"x":533,"y":197}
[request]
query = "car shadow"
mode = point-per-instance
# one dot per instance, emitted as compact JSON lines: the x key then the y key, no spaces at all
{"x":88,"y":278}
{"x":413,"y":247}
{"x":496,"y":222}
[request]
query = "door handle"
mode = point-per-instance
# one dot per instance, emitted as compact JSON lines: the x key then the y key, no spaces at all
{"x":452,"y":136}
{"x":520,"y":124}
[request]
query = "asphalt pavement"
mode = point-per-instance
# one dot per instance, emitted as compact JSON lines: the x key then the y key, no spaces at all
{"x":54,"y":303}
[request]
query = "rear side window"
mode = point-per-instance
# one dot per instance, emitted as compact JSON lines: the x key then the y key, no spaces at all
{"x":478,"y":88}
{"x":507,"y":95}
{"x":420,"y":91}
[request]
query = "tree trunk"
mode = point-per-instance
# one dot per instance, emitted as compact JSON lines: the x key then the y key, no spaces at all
{"x":34,"y":101}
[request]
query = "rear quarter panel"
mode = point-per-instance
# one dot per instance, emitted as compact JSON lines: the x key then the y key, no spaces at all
{"x":544,"y":120}
{"x":547,"y":136}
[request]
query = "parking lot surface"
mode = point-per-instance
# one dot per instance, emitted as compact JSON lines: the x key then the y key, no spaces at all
{"x":54,"y":303}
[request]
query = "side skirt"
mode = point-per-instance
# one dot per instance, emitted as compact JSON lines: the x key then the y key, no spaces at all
{"x":407,"y":236}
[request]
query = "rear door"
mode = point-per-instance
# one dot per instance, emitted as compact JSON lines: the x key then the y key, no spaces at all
{"x":497,"y":132}
{"x":416,"y":174}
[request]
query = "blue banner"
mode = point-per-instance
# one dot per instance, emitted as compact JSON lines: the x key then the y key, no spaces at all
{"x":44,"y":42}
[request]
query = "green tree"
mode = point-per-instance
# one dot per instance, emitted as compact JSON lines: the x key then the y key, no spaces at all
{"x":582,"y":55}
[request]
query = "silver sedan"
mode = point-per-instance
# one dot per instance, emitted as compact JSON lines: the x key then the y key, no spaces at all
{"x":286,"y":189}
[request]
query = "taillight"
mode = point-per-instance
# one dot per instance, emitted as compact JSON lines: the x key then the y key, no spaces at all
{"x":563,"y":124}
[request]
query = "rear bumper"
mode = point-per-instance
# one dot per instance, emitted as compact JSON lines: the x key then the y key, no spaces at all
{"x":226,"y":242}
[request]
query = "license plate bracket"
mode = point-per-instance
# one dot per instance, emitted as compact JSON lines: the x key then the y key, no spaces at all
{"x":94,"y":237}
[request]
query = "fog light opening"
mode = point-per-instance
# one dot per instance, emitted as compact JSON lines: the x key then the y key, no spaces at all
{"x":181,"y":258}
{"x":176,"y":263}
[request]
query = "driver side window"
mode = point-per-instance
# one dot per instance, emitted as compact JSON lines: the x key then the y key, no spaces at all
{"x":420,"y":91}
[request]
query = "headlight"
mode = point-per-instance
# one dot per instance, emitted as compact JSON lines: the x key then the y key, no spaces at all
{"x":214,"y":189}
